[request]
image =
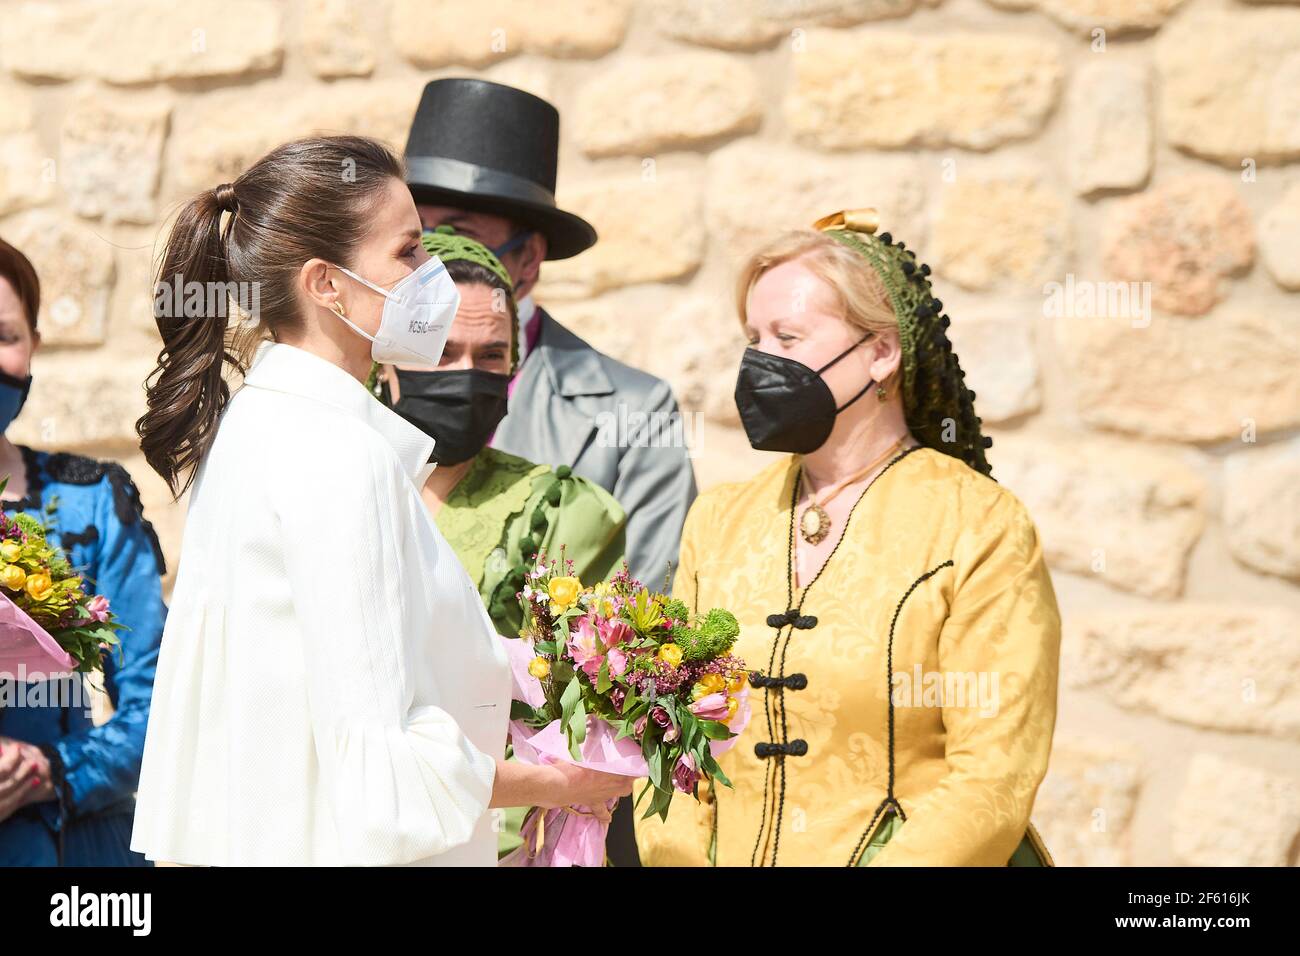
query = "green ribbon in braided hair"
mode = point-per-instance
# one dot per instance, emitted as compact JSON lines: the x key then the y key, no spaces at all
{"x":936,"y":401}
{"x":447,"y":244}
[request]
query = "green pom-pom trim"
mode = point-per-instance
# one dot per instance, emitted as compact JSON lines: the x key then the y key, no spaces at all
{"x":939,"y":408}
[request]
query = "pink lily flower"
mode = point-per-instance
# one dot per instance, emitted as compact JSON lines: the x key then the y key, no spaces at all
{"x":614,"y":632}
{"x":584,"y":647}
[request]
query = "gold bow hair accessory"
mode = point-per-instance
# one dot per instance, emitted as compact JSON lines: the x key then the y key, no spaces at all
{"x":857,"y":220}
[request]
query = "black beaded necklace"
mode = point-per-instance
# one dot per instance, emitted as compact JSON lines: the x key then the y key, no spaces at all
{"x":794,"y":619}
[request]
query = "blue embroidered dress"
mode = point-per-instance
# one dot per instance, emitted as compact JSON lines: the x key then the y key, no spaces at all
{"x":98,"y":520}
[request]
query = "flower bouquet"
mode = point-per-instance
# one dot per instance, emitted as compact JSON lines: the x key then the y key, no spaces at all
{"x":49,"y":625}
{"x":618,"y":679}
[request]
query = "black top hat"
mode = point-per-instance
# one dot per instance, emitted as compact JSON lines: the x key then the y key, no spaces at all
{"x":492,"y":148}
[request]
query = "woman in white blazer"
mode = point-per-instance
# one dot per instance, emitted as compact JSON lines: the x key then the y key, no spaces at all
{"x":330,"y":689}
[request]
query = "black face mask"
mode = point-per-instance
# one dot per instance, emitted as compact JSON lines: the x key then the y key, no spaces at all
{"x":459,"y":409}
{"x":785,"y":405}
{"x":13,"y":395}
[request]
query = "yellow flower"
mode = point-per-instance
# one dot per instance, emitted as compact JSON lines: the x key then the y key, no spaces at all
{"x":603,"y":596}
{"x":737,"y":683}
{"x":706,"y":685}
{"x":564,"y":591}
{"x":12,"y":577}
{"x":10,"y":550}
{"x":732,"y":706}
{"x":670,"y":654}
{"x":539,"y":667}
{"x":39,"y":585}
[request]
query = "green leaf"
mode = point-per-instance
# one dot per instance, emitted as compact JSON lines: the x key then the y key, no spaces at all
{"x":580,"y":721}
{"x":665,"y":781}
{"x":715,"y":730}
{"x":562,"y":672}
{"x":569,"y":700}
{"x":691,"y":731}
{"x":640,"y":708}
{"x":521,"y":711}
{"x":603,"y":683}
{"x":655,"y":763}
{"x":663,"y":800}
{"x":659,"y":804}
{"x":710,"y":768}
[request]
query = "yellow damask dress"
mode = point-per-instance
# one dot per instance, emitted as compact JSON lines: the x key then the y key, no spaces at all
{"x":939,"y":581}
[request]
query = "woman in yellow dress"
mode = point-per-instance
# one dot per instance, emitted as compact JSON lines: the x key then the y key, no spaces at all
{"x":895,"y":607}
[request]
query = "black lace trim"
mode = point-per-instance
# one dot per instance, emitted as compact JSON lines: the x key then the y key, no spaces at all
{"x":73,"y":469}
{"x":67,"y":468}
{"x":126,"y":502}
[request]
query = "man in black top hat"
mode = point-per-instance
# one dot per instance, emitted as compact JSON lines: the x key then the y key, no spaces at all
{"x":482,"y":157}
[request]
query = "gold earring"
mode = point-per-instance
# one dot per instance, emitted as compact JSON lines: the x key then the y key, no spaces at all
{"x":881,"y":393}
{"x":338,"y":309}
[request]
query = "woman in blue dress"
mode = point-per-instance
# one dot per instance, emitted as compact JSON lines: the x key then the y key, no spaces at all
{"x":67,"y":786}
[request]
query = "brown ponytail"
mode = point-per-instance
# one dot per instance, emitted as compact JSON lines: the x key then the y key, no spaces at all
{"x":186,"y":392}
{"x":304,"y":200}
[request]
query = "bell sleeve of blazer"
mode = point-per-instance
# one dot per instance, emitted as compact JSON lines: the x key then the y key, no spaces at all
{"x":403,"y":781}
{"x":1003,"y":622}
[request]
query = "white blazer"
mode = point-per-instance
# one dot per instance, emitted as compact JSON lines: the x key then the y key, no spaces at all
{"x":330,"y":689}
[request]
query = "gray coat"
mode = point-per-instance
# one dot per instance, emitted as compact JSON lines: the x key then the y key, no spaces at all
{"x":612,"y":424}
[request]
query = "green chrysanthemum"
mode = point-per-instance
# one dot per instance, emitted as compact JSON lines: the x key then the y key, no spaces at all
{"x":711,"y":637}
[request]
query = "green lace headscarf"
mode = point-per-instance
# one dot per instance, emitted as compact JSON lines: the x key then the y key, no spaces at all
{"x":448,"y":245}
{"x":939,"y":408}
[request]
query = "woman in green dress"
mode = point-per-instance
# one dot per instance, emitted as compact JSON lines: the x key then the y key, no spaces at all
{"x":496,"y":510}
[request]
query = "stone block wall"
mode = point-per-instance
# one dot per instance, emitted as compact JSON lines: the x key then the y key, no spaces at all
{"x":1108,"y":192}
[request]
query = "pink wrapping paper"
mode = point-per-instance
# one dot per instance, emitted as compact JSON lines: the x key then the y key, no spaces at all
{"x":577,"y":838}
{"x":27,"y":651}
